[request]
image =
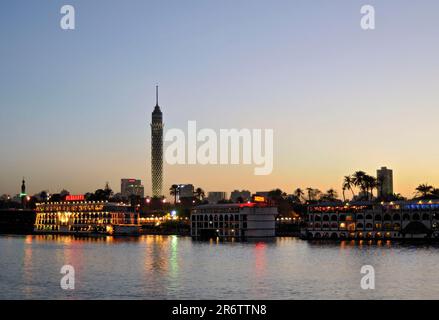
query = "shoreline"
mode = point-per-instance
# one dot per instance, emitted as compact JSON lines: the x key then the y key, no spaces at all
{"x":415,"y":241}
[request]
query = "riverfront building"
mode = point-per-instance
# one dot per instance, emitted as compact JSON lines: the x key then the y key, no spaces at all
{"x":86,"y":217}
{"x":241,"y":221}
{"x":393,"y":220}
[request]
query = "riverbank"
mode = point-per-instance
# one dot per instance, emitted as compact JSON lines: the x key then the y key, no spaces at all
{"x":167,"y":228}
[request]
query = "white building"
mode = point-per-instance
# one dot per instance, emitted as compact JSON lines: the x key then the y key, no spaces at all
{"x":242,"y":221}
{"x":216,"y":196}
{"x":86,"y":217}
{"x":366,"y":220}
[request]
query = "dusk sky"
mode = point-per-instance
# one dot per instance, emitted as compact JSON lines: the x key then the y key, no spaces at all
{"x":76,"y":105}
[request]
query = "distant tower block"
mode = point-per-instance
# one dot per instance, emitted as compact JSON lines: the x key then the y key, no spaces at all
{"x":157,"y":149}
{"x":385,"y":182}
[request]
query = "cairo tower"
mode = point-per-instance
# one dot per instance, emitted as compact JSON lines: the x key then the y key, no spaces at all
{"x":157,"y":149}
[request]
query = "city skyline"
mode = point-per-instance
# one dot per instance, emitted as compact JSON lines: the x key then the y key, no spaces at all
{"x":338,"y":98}
{"x":381,"y":186}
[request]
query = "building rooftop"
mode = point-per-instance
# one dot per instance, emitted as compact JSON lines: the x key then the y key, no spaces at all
{"x":233,"y":205}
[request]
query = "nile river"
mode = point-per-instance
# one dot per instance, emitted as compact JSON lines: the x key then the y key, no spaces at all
{"x":171,"y":267}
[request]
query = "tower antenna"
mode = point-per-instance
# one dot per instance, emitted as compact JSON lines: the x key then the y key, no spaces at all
{"x":156,"y":95}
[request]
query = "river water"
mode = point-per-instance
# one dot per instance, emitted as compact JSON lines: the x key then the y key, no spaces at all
{"x":171,"y":267}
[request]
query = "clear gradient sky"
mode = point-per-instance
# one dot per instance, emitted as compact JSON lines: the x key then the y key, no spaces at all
{"x":76,"y":105}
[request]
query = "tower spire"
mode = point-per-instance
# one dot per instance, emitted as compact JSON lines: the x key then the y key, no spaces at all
{"x":156,"y":95}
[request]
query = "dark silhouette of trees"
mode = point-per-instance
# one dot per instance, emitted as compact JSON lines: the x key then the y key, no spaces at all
{"x":348,"y":183}
{"x":199,"y":194}
{"x":424,"y":190}
{"x":299,"y":194}
{"x":174,"y":191}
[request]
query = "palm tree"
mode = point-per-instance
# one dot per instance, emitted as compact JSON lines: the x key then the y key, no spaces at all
{"x":359,"y":180}
{"x":348,"y":183}
{"x":343,"y":193}
{"x":424,"y":189}
{"x":398,"y":196}
{"x":435,"y":193}
{"x":374,"y":184}
{"x":370,"y":183}
{"x":331,"y":195}
{"x":276,"y":195}
{"x":316,"y":194}
{"x":199,"y":193}
{"x":173,"y":191}
{"x":298,"y":193}
{"x":310,"y":192}
{"x":313,"y":194}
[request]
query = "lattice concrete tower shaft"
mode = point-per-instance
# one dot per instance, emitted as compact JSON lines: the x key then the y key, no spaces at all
{"x":157,"y":149}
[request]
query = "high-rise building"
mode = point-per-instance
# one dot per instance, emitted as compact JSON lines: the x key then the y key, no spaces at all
{"x":185,"y":191}
{"x":385,"y":182}
{"x":216,"y":196}
{"x":240,"y":196}
{"x":157,"y":149}
{"x":131,"y":187}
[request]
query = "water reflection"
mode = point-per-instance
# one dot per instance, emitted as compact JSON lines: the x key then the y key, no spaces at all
{"x":27,"y":265}
{"x":164,"y":267}
{"x":173,"y":257}
{"x":259,"y":253}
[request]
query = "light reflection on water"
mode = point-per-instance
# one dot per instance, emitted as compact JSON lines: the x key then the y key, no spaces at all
{"x":171,"y":267}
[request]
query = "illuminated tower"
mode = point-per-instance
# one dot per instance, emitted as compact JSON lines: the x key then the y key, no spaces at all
{"x":23,"y":194}
{"x":157,"y":149}
{"x":23,"y":188}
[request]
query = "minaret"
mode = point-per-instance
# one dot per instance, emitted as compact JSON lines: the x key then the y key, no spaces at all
{"x":157,"y":149}
{"x":23,"y":193}
{"x":23,"y":188}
